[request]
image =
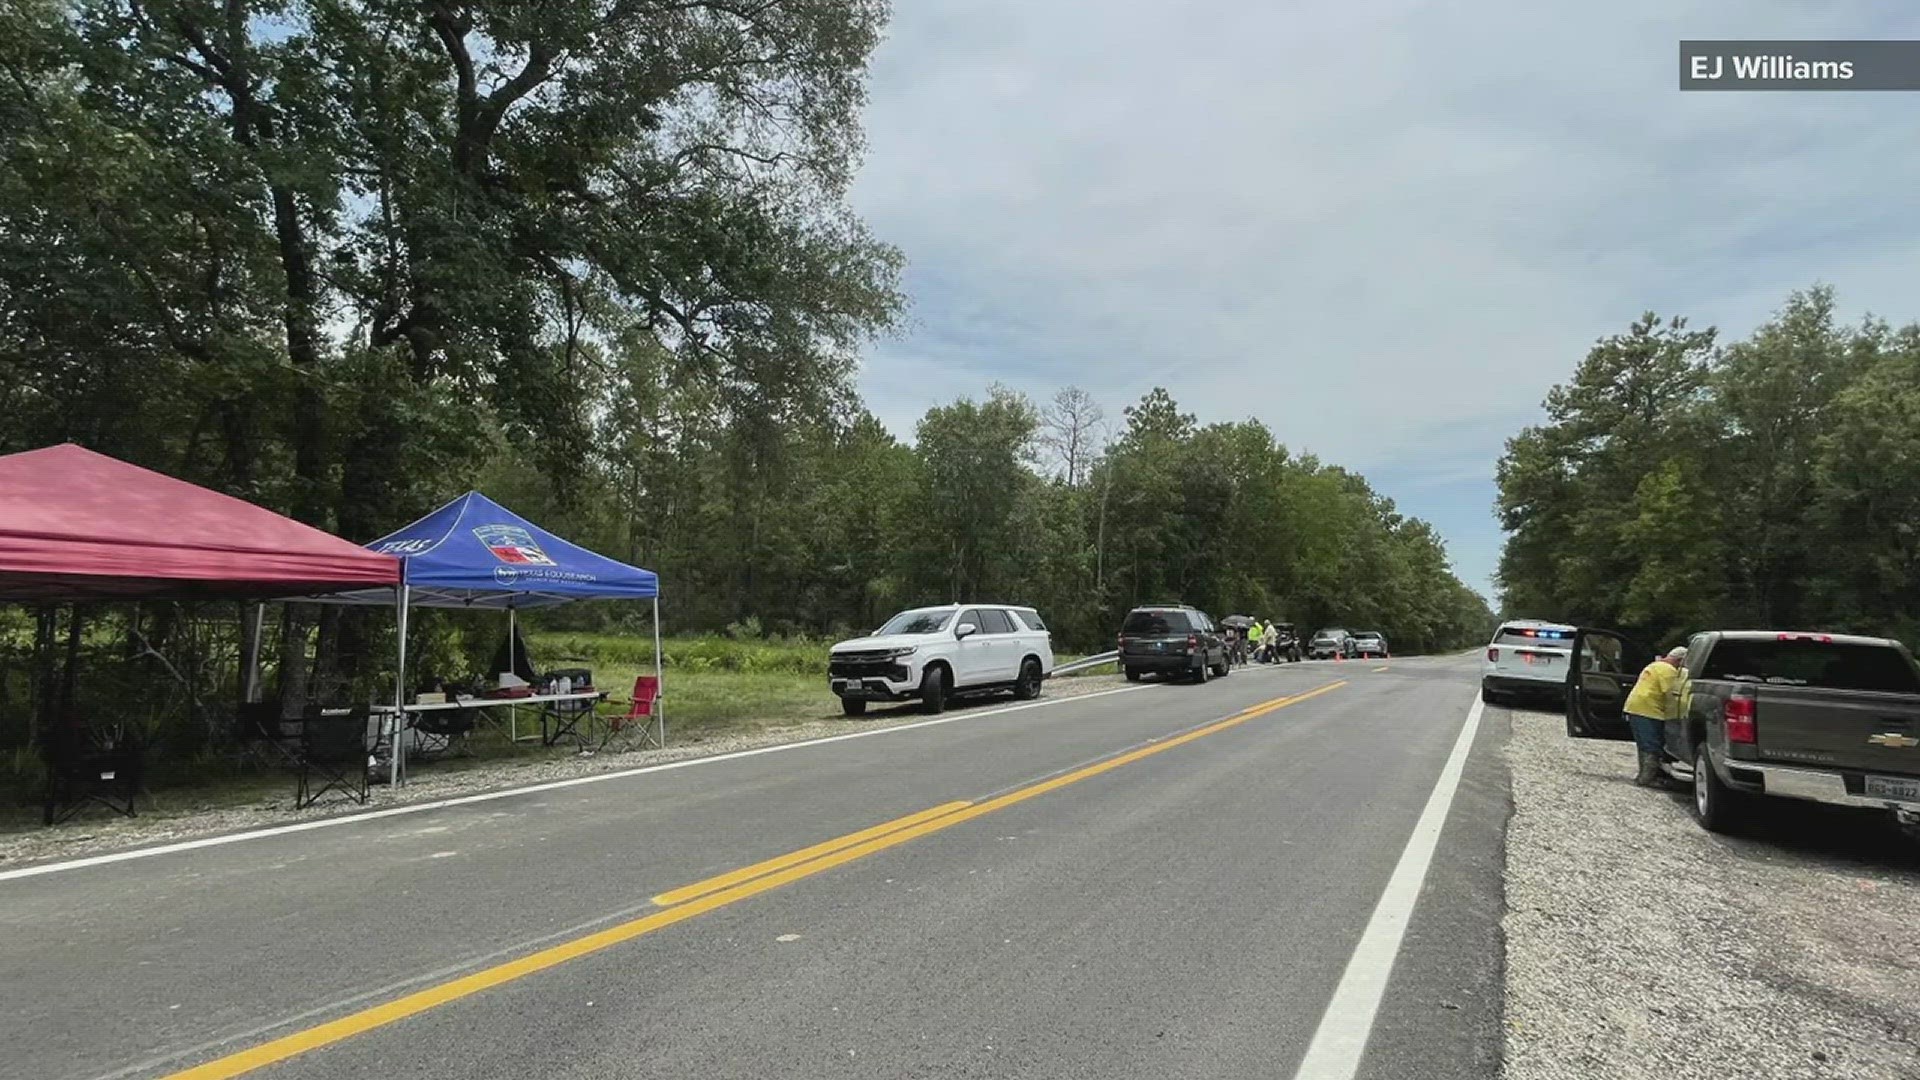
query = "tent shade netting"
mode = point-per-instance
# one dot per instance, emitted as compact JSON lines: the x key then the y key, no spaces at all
{"x":473,"y":552}
{"x":75,"y":524}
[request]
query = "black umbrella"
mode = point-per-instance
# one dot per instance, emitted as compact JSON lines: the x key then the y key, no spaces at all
{"x":1238,"y":622}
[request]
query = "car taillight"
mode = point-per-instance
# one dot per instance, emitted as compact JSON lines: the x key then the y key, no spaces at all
{"x":1493,"y":656}
{"x":1739,"y":713}
{"x":1193,"y":642}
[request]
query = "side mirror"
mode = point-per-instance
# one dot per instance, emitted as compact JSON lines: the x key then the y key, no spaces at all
{"x":965,"y":630}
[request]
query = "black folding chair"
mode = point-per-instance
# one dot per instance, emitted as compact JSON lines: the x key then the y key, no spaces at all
{"x":336,"y":749}
{"x":438,"y":730}
{"x":561,"y":720}
{"x":80,"y":772}
{"x":262,"y":731}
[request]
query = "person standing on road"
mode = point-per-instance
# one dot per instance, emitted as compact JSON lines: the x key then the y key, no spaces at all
{"x":1253,"y":638}
{"x":1656,"y":699}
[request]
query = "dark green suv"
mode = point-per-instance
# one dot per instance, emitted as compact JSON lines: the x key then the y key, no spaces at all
{"x":1172,"y":640}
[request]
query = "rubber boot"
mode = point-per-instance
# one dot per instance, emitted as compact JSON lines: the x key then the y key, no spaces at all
{"x":1649,"y":775}
{"x":1661,"y":779}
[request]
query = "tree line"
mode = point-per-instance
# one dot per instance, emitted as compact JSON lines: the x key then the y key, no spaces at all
{"x":836,"y":524}
{"x":1680,"y":483}
{"x":348,"y":258}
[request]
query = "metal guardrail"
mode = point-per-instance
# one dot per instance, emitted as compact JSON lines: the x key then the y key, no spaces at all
{"x":1088,"y":662}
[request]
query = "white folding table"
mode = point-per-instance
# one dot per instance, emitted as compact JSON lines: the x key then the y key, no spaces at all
{"x":560,"y":714}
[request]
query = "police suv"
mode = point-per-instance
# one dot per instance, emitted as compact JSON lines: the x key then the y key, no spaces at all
{"x":1526,"y":659}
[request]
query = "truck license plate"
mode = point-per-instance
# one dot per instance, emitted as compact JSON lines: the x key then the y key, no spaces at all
{"x":1888,"y":787}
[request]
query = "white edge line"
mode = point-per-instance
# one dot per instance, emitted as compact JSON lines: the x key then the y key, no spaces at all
{"x":1341,"y":1038}
{"x":505,"y":793}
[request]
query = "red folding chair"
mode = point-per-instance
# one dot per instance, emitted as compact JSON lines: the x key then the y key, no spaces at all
{"x":646,"y":693}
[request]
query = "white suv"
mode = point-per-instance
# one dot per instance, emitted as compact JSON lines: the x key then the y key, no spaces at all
{"x":1526,"y":659}
{"x":931,"y":654}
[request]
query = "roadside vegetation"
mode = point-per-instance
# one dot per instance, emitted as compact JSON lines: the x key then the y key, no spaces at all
{"x":715,"y":682}
{"x":728,"y":686}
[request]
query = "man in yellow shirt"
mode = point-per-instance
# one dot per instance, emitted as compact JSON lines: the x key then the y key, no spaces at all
{"x":1657,"y":697}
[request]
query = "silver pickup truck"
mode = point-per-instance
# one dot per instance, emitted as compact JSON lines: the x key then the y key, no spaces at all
{"x":1824,"y":717}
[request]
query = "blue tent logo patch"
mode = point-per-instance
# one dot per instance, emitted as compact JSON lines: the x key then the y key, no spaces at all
{"x":512,"y":544}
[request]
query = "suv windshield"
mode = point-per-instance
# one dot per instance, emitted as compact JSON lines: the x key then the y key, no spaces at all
{"x":1825,"y":665}
{"x":1156,"y":623}
{"x":923,"y":621}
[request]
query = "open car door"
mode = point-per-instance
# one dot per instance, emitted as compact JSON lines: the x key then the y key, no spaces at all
{"x":1600,"y":675}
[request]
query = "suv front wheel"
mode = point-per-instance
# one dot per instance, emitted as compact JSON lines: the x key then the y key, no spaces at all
{"x":933,"y":690}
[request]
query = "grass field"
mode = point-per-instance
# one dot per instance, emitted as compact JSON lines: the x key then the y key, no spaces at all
{"x":713,"y":684}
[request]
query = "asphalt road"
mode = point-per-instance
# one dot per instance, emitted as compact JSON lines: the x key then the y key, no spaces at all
{"x":1178,"y":897}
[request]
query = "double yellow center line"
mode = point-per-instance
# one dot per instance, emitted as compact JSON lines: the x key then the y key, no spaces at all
{"x":701,"y":897}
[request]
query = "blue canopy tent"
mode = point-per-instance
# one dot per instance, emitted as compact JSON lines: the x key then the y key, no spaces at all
{"x":475,"y":553}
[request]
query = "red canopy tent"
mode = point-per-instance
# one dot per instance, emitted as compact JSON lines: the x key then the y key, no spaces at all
{"x":77,"y":525}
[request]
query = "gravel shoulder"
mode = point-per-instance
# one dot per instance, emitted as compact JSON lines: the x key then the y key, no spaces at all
{"x":1639,"y":945}
{"x":96,"y":833}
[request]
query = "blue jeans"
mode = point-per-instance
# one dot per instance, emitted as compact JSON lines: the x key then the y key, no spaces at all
{"x":1649,"y":735}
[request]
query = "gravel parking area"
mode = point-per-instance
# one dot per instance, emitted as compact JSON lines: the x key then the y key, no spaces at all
{"x":1640,"y":945}
{"x":96,"y":833}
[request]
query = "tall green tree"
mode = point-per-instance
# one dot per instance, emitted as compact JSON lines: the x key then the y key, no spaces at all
{"x":1765,"y":483}
{"x":976,"y":469}
{"x":478,"y":194}
{"x":1773,"y":393}
{"x":1864,"y":551}
{"x":1633,"y":405}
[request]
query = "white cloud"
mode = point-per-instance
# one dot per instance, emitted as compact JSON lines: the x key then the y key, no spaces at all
{"x":1384,"y":229}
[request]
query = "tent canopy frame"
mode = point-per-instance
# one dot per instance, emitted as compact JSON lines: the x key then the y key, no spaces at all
{"x":473,"y":553}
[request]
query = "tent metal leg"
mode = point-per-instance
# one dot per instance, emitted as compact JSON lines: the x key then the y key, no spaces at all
{"x":250,"y":691}
{"x":659,"y":682}
{"x":513,"y":664}
{"x":397,"y":747}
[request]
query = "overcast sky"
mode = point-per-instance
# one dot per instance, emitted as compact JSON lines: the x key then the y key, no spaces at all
{"x":1384,"y":229}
